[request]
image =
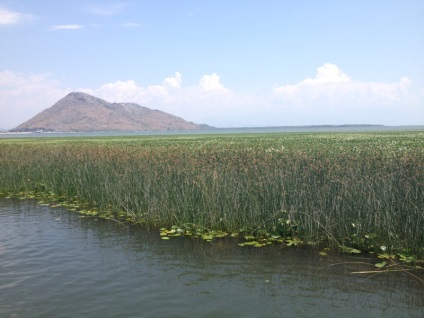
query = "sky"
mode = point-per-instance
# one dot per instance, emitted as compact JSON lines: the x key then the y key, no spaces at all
{"x":225,"y":63}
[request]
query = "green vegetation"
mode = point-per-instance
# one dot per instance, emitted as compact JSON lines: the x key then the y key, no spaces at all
{"x":356,"y":191}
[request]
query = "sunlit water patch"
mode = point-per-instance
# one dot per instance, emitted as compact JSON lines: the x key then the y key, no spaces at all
{"x":55,"y":264}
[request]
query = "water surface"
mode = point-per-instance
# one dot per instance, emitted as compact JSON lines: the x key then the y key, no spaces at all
{"x":55,"y":264}
{"x":212,"y":131}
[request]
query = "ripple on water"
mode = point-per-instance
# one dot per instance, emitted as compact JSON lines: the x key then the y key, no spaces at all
{"x":54,"y":264}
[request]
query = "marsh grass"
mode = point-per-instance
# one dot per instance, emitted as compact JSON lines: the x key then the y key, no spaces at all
{"x":359,"y":190}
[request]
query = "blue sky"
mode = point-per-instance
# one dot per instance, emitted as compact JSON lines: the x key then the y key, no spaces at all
{"x":224,"y":63}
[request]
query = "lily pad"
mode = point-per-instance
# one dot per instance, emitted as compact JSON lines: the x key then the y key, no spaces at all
{"x":207,"y":237}
{"x":346,"y":249}
{"x":380,"y":265}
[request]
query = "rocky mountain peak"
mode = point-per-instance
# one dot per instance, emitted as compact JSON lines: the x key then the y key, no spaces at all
{"x":79,"y":111}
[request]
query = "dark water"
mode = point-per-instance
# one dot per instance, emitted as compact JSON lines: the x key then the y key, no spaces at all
{"x":54,"y":264}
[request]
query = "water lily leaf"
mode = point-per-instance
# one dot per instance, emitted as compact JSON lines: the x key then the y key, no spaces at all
{"x":386,"y":256}
{"x":346,"y":249}
{"x":293,"y":241}
{"x":322,"y":253}
{"x":406,"y":258}
{"x":251,"y":243}
{"x":165,"y":238}
{"x":207,"y":237}
{"x":380,"y":265}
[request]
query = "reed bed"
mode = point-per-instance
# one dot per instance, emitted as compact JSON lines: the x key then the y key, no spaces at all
{"x":364,"y":190}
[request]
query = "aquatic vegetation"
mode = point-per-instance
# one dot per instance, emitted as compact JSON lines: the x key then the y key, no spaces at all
{"x":356,"y":192}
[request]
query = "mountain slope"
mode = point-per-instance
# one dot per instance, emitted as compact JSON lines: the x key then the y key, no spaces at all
{"x":83,"y":112}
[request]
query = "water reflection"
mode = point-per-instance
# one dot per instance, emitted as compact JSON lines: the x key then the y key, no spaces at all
{"x":54,"y":264}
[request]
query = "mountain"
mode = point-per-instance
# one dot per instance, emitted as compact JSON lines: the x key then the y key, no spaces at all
{"x":83,"y":112}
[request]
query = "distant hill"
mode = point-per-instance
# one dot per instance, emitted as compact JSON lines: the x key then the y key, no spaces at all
{"x":83,"y":112}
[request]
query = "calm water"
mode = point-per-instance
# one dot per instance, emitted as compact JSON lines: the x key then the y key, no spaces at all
{"x":251,"y":130}
{"x":54,"y":264}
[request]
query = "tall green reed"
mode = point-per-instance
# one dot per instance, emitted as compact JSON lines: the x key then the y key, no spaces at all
{"x":346,"y":189}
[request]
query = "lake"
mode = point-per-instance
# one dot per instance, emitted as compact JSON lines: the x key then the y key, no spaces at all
{"x":53,"y":263}
{"x":241,"y":130}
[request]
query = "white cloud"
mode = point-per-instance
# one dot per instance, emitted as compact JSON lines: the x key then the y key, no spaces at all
{"x":67,"y":27}
{"x":119,"y":91}
{"x":330,"y":97}
{"x":209,"y":98}
{"x":25,"y":95}
{"x":107,"y":9}
{"x":211,"y":82}
{"x":9,"y":17}
{"x":330,"y":84}
{"x":328,"y":73}
{"x":175,"y":81}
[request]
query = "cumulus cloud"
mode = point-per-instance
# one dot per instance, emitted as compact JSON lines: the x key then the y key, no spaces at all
{"x":174,"y":82}
{"x":206,"y":99}
{"x":328,"y":73}
{"x":67,"y":27}
{"x":211,"y":83}
{"x":332,"y":85}
{"x":333,"y":97}
{"x":119,"y":91}
{"x":9,"y":17}
{"x":25,"y":95}
{"x":325,"y":78}
{"x":329,"y":97}
{"x":130,"y":91}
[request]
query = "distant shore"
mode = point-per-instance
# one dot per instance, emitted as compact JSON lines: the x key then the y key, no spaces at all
{"x":15,"y":133}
